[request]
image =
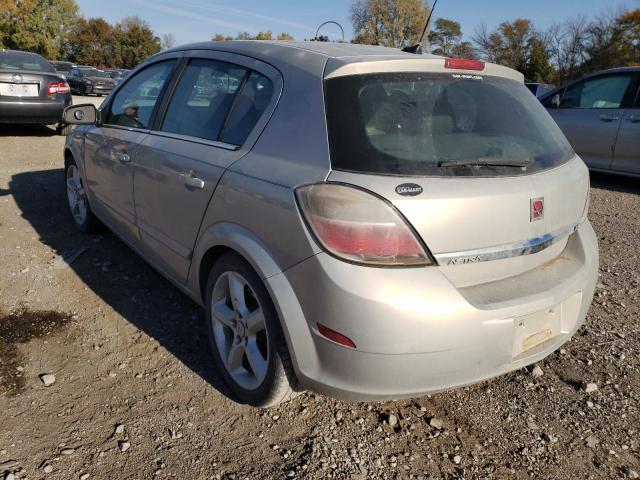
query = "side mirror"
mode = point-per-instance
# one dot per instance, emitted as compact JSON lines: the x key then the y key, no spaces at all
{"x":80,"y":115}
{"x":555,"y":101}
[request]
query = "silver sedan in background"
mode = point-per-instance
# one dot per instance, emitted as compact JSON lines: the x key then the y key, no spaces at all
{"x":360,"y":221}
{"x":600,"y":115}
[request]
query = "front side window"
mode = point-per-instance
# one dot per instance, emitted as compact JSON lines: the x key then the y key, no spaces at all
{"x":133,"y":105}
{"x":203,"y":98}
{"x":600,"y":92}
{"x":439,"y":124}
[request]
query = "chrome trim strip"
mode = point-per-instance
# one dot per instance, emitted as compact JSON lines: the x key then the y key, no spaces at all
{"x":187,"y":138}
{"x":526,"y":247}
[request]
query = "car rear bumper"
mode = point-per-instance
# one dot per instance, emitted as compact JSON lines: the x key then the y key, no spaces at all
{"x":99,"y":89}
{"x":33,"y":111}
{"x":416,"y":333}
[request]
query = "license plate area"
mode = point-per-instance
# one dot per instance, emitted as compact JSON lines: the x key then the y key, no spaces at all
{"x":18,"y":89}
{"x":531,"y":332}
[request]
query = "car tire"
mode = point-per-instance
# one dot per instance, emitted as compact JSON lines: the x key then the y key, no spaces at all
{"x":77,"y":200}
{"x":274,"y":381}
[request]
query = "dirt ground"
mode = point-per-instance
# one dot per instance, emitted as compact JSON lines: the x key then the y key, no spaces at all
{"x":134,"y":395}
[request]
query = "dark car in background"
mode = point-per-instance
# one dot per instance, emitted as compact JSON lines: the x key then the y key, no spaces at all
{"x":31,"y":92}
{"x":63,"y":68}
{"x":539,"y":89}
{"x":118,"y":74}
{"x":88,"y":80}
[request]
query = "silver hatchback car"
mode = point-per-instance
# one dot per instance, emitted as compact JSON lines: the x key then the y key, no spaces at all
{"x":356,"y":220}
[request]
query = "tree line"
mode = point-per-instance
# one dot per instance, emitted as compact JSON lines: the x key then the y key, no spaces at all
{"x":557,"y":54}
{"x":54,"y":29}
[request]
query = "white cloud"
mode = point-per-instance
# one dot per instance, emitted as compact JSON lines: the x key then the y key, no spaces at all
{"x":193,"y":16}
{"x":213,"y":7}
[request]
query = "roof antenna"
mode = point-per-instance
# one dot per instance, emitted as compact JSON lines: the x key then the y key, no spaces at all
{"x":417,"y":48}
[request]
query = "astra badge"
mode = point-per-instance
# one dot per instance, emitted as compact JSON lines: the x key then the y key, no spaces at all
{"x":537,"y":209}
{"x":409,"y":189}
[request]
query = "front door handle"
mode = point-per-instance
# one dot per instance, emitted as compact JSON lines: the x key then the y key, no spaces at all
{"x":609,"y":118}
{"x":191,"y":180}
{"x":122,"y":157}
{"x":633,"y":118}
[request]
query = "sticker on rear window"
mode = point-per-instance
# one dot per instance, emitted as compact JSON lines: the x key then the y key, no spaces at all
{"x":465,"y":76}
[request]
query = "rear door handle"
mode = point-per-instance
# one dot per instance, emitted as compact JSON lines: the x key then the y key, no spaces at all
{"x":633,"y":118}
{"x":609,"y":118}
{"x":191,"y":180}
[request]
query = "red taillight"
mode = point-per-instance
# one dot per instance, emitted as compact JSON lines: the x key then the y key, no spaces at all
{"x":463,"y":64}
{"x":372,"y":239}
{"x":58,"y":87}
{"x":335,"y":336}
{"x":358,"y":226}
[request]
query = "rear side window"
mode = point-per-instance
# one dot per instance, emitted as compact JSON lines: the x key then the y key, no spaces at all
{"x":600,"y":92}
{"x":203,"y":98}
{"x":439,"y":125}
{"x":133,"y":105}
{"x":248,"y":108}
{"x":217,"y":101}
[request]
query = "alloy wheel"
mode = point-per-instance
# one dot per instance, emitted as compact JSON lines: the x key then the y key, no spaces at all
{"x":239,"y":330}
{"x":76,"y":195}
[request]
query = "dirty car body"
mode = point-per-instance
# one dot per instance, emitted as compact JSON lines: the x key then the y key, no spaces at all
{"x":419,"y":224}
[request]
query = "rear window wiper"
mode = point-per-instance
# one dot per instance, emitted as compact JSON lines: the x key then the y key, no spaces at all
{"x":487,"y":162}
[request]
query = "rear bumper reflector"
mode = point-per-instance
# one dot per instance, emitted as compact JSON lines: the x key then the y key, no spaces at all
{"x":335,"y":336}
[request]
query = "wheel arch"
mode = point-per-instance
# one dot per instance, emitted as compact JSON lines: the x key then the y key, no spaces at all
{"x":229,"y":237}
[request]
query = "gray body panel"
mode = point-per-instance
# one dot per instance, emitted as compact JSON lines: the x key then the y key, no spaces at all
{"x":416,"y":329}
{"x":607,"y":139}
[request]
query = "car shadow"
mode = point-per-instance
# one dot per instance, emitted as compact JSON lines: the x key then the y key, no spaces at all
{"x":26,"y":131}
{"x":615,"y":183}
{"x":116,"y":274}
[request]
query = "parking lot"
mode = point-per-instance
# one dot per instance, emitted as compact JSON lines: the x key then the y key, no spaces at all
{"x":135,"y":396}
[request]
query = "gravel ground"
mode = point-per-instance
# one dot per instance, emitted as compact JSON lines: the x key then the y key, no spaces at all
{"x":104,"y":370}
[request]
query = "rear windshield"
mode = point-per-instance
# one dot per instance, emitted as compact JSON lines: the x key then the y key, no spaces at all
{"x":24,"y":61}
{"x":439,"y":125}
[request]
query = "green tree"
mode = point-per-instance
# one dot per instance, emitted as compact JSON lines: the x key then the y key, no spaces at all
{"x":628,"y":26}
{"x":446,"y":40}
{"x":445,"y":36}
{"x":136,"y":41}
{"x":508,"y":45}
{"x":93,"y":43}
{"x":39,"y":26}
{"x":391,"y":23}
{"x":537,"y":66}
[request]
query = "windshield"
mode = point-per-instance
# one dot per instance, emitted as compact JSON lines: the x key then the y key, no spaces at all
{"x":24,"y":61}
{"x":439,"y":125}
{"x":93,"y":72}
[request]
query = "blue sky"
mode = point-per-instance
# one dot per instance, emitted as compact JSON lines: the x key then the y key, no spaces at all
{"x":197,"y":20}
